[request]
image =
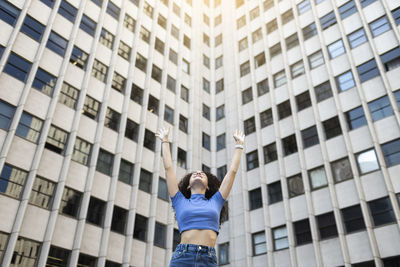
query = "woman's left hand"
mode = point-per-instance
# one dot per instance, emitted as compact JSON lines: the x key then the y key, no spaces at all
{"x":239,"y":137}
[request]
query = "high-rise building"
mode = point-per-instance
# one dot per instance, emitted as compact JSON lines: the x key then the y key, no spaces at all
{"x":314,"y":85}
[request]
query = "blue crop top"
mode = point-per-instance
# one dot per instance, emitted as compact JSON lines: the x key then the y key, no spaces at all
{"x":197,"y":212}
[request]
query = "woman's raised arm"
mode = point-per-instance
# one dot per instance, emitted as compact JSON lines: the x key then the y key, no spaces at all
{"x":172,"y":183}
{"x":229,"y":178}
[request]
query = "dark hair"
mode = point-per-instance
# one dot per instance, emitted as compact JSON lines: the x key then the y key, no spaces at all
{"x":213,"y":185}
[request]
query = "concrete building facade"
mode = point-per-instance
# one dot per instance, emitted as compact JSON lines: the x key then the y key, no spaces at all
{"x":313,"y":84}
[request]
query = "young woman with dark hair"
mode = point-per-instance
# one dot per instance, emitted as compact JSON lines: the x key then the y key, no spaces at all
{"x":198,"y":201}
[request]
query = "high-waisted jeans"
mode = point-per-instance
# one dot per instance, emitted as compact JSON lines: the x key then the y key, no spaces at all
{"x":190,"y":255}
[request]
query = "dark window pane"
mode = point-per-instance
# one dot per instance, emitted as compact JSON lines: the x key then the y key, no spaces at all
{"x":96,"y":211}
{"x":70,"y":202}
{"x":44,"y":82}
{"x":32,"y":28}
{"x":255,"y":199}
{"x":381,"y":211}
{"x":17,"y":67}
{"x":67,"y":10}
{"x":57,"y":43}
{"x":274,"y":192}
{"x":8,"y":12}
{"x":353,"y":219}
{"x":140,"y":227}
{"x":355,"y":118}
{"x":119,"y":219}
{"x":302,"y":231}
{"x":6,"y":114}
{"x":326,"y":225}
{"x":391,"y":152}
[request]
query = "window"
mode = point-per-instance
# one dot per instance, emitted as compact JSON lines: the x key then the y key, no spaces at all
{"x":391,"y":59}
{"x":219,"y":86}
{"x":245,"y":68}
{"x":140,"y":227}
{"x":381,"y":211}
{"x":259,"y":243}
{"x":221,"y":172}
{"x":181,"y":158}
{"x":129,"y":23}
{"x":96,"y":211}
{"x":357,"y":38}
{"x":26,"y":253}
{"x":206,"y":141}
{"x":186,"y":41}
{"x":287,"y":16}
{"x":310,"y":136}
{"x":289,"y":145}
{"x":175,"y":32}
{"x":316,"y":59}
{"x":105,"y":162}
{"x":12,"y":181}
{"x":332,"y":128}
{"x":206,"y":19}
{"x":249,"y":126}
{"x":169,"y":114}
{"x":279,"y":79}
{"x":221,"y":142}
{"x":149,"y":140}
{"x":302,"y":232}
{"x":341,"y":170}
{"x":275,"y":50}
{"x":49,"y":3}
{"x":106,"y":38}
{"x":255,"y":199}
{"x":379,"y":26}
{"x":380,"y":108}
{"x":17,"y":67}
{"x":259,"y":60}
{"x":6,"y":114}
{"x":256,"y":35}
{"x":145,"y":180}
{"x":367,"y":161}
{"x":336,"y":49}
{"x":396,"y":15}
{"x":42,"y":193}
{"x":345,"y":81}
{"x":241,"y":22}
{"x":252,"y":160}
{"x":243,"y":44}
{"x":119,"y":219}
{"x":113,"y":10}
{"x":188,"y":20}
{"x":266,"y":118}
{"x":205,"y":168}
{"x":176,"y":9}
{"x":86,"y":260}
{"x":206,"y":61}
{"x":247,"y":96}
{"x":99,"y":71}
{"x":67,"y":11}
{"x":173,"y":56}
{"x":91,"y":107}
{"x":309,"y":31}
{"x":176,"y":239}
{"x":87,"y":25}
{"x":56,"y":140}
{"x":141,"y":62}
{"x":303,"y":100}
{"x":9,"y":13}
{"x":118,"y":82}
{"x":303,"y":6}
{"x":353,"y":219}
{"x":162,"y":21}
{"x":326,"y":225}
{"x":112,"y":119}
{"x":220,"y":112}
{"x":262,"y":87}
{"x":82,"y":150}
{"x":317,"y":178}
{"x":29,"y":127}
{"x":355,"y":118}
{"x":391,"y":152}
{"x":33,"y":28}
{"x":160,"y":235}
{"x":144,"y":34}
{"x":284,"y":110}
{"x":270,"y":153}
{"x":148,"y":9}
{"x":280,"y":237}
{"x":274,"y":192}
{"x":162,"y":189}
{"x":218,"y":62}
{"x":217,"y":20}
{"x":171,"y":83}
{"x":153,"y":105}
{"x":156,"y":73}
{"x":272,"y":26}
{"x":328,"y":20}
{"x":78,"y":58}
{"x":223,"y":253}
{"x":268,"y":4}
{"x":347,"y":9}
{"x":206,"y":39}
{"x":206,"y":111}
{"x":206,"y":85}
{"x":297,"y":69}
{"x":183,"y":123}
{"x":292,"y":41}
{"x":126,"y":171}
{"x":58,"y":257}
{"x":295,"y":185}
{"x":44,"y":82}
{"x":323,"y":91}
{"x":185,"y":66}
{"x":365,"y":3}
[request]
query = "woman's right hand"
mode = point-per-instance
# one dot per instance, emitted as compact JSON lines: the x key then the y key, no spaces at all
{"x":163,"y":133}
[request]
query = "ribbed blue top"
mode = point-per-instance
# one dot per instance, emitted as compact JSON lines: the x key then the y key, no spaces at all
{"x":197,"y":212}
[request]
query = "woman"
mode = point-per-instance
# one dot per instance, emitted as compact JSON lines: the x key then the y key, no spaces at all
{"x":198,"y":200}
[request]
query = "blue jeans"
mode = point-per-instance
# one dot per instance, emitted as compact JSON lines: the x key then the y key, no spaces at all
{"x":190,"y":255}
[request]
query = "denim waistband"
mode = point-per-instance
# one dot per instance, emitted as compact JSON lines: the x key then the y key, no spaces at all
{"x":194,"y":247}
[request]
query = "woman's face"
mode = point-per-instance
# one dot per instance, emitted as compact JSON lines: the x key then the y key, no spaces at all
{"x":198,"y":177}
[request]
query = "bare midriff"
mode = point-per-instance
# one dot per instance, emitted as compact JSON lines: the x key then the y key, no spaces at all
{"x":203,"y":237}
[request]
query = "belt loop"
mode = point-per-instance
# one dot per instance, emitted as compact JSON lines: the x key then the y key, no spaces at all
{"x":185,"y":247}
